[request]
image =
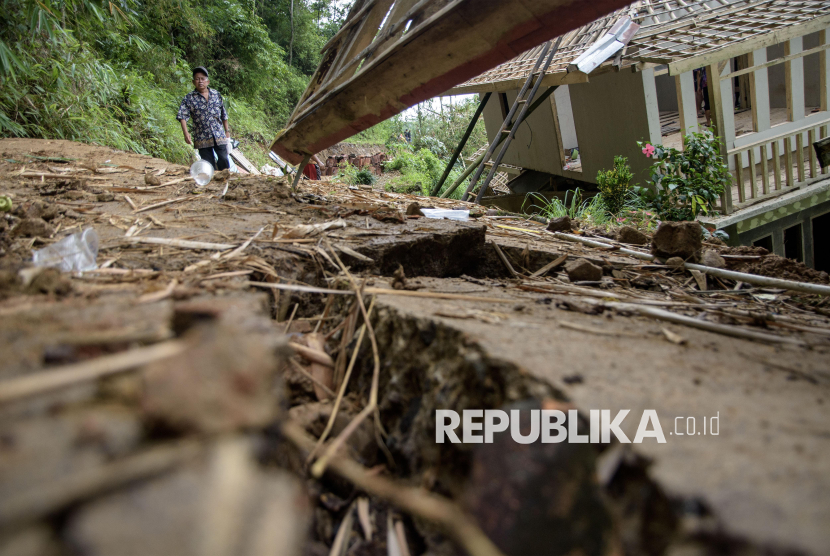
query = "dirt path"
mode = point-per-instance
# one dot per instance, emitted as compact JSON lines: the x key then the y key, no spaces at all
{"x":144,"y":459}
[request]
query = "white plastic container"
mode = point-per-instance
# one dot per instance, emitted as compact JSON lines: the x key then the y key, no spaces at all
{"x":75,"y":253}
{"x":202,"y":172}
{"x":449,"y":214}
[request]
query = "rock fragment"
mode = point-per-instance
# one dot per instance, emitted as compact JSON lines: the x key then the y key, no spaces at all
{"x":582,"y":270}
{"x":677,"y":239}
{"x":713,"y":259}
{"x":628,"y":234}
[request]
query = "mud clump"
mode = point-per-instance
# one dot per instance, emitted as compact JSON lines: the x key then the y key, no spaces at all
{"x":779,"y":267}
{"x":32,"y":227}
{"x":561,"y":224}
{"x":677,"y":239}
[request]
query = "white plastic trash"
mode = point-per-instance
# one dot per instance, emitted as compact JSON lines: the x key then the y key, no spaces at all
{"x":202,"y":172}
{"x":462,"y":215}
{"x":75,"y":253}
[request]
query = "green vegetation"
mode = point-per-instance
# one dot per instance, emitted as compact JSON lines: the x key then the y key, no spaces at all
{"x":592,"y":210}
{"x":353,"y":176}
{"x":614,"y":184}
{"x":114,"y":73}
{"x":686,"y":183}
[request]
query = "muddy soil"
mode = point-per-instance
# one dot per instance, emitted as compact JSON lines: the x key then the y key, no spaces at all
{"x":184,"y":451}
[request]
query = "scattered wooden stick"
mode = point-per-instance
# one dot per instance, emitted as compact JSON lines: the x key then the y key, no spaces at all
{"x":159,"y":295}
{"x":181,"y":243}
{"x":415,"y":501}
{"x":179,"y":180}
{"x":69,"y":375}
{"x":130,"y":202}
{"x":291,"y":319}
{"x":161,"y":204}
{"x":228,"y":275}
{"x":343,"y":385}
{"x":299,"y":368}
{"x":550,"y":266}
{"x":504,"y":260}
{"x":238,"y":251}
{"x":320,"y":465}
{"x":313,"y":355}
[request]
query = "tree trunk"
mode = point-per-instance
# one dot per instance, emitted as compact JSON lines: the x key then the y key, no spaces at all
{"x":291,"y":45}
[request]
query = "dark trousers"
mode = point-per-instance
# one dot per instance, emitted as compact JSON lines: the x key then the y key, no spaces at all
{"x":221,"y":159}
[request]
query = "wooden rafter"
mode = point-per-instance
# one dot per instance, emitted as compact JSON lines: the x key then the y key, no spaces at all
{"x":685,"y":34}
{"x":390,"y":55}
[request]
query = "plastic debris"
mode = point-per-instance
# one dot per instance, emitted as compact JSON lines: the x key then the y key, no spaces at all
{"x":75,"y":253}
{"x":462,"y":215}
{"x":202,"y":172}
{"x":5,"y":204}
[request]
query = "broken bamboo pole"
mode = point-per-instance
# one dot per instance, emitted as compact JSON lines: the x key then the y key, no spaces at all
{"x":462,"y":144}
{"x":754,"y":279}
{"x":475,"y":164}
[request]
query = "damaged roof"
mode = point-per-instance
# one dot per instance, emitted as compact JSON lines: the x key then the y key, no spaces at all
{"x":683,"y":34}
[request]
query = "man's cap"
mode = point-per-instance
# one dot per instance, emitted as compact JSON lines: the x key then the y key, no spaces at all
{"x":200,"y":69}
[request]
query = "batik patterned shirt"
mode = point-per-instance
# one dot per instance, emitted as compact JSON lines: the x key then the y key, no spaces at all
{"x":207,"y":115}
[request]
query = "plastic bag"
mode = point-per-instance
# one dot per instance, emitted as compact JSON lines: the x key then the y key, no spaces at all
{"x":75,"y":253}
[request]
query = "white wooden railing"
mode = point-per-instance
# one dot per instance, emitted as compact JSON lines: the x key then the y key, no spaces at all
{"x":774,"y":162}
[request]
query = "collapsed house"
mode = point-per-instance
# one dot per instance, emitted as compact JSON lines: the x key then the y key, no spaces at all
{"x":769,"y":60}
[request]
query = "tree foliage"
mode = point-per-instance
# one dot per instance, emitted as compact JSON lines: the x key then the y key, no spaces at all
{"x":114,"y":72}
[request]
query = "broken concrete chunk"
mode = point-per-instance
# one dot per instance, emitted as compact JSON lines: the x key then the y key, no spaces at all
{"x":32,"y":227}
{"x":224,"y":382}
{"x":226,"y":506}
{"x":627,"y":234}
{"x":582,"y":270}
{"x":713,"y":259}
{"x":561,"y":224}
{"x":677,"y":239}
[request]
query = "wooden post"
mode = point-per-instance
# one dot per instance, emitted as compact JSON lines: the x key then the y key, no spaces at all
{"x":764,"y":170}
{"x":776,"y":164}
{"x":799,"y":155}
{"x":720,"y":99}
{"x":824,"y":72}
{"x":759,"y":91}
{"x":752,"y":173}
{"x":811,"y":138}
{"x":461,"y":145}
{"x":794,"y":80}
{"x":739,"y":177}
{"x":299,"y":172}
{"x":685,"y":85}
{"x":788,"y":160}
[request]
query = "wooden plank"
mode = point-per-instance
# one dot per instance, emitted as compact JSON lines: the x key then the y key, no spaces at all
{"x":825,"y":169}
{"x":764,"y":170}
{"x":776,"y":164}
{"x":779,"y":132}
{"x":794,"y":80}
{"x":752,"y":174}
{"x":739,"y":177}
{"x":741,"y":47}
{"x":758,"y":66}
{"x":811,"y":138}
{"x":788,"y":160}
{"x":455,"y":44}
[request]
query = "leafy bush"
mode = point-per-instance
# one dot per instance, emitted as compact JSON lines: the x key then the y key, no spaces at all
{"x":614,"y":184}
{"x":420,"y":171}
{"x":686,"y":183}
{"x":354,"y":176}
